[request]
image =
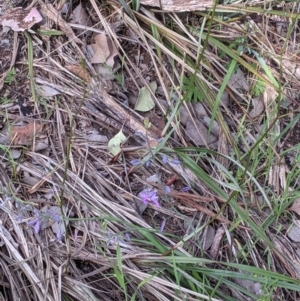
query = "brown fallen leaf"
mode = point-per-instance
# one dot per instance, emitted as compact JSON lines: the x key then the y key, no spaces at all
{"x":104,"y":50}
{"x":100,"y":48}
{"x":80,"y":72}
{"x":24,"y":134}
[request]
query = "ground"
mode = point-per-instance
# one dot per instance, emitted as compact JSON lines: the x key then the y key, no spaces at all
{"x":149,"y":154}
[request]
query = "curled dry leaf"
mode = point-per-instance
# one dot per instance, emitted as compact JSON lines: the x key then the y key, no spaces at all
{"x":20,"y":20}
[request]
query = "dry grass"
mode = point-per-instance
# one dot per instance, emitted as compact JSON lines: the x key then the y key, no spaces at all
{"x":108,"y":250}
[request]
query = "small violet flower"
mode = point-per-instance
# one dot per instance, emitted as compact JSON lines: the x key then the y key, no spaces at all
{"x":162,"y":226}
{"x":135,"y":162}
{"x":164,"y":159}
{"x":127,"y":236}
{"x":167,"y":189}
{"x":36,"y":222}
{"x":54,"y":216}
{"x":59,"y":234}
{"x":185,"y":189}
{"x":174,"y":161}
{"x":149,"y":196}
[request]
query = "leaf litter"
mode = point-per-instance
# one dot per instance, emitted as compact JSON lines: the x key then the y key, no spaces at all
{"x":86,"y":186}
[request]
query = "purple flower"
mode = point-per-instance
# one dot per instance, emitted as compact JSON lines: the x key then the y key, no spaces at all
{"x":36,"y":223}
{"x":115,"y":239}
{"x":164,"y":159}
{"x":185,"y":189}
{"x":54,"y":216}
{"x":135,"y":162}
{"x":162,"y":226}
{"x":59,"y":234}
{"x":148,"y":163}
{"x":167,"y":189}
{"x":149,"y":196}
{"x":174,"y":161}
{"x":128,"y":238}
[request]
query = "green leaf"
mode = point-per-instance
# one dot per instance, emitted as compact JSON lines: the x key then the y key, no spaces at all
{"x":115,"y":142}
{"x":145,"y":102}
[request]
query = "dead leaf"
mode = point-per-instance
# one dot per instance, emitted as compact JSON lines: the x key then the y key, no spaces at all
{"x":20,"y":20}
{"x":104,"y":50}
{"x":29,"y":180}
{"x":199,"y":110}
{"x":238,"y":81}
{"x":215,"y":129}
{"x":94,"y":137}
{"x":208,"y":237}
{"x":114,"y":144}
{"x":110,"y":62}
{"x":292,"y":67}
{"x":41,"y":144}
{"x":100,"y":49}
{"x":24,"y":135}
{"x":296,"y":206}
{"x":294,"y":233}
{"x":80,"y":72}
{"x":46,"y":91}
{"x":145,"y":102}
{"x":258,"y":106}
{"x":79,"y":16}
{"x":216,"y":243}
{"x":253,"y":287}
{"x":198,"y":133}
